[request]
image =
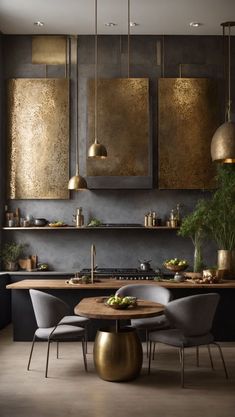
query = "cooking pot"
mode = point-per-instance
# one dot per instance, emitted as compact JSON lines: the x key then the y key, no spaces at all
{"x":40,"y":222}
{"x":145,"y":265}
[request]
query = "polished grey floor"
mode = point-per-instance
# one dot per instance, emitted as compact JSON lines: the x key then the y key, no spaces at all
{"x":69,"y":391}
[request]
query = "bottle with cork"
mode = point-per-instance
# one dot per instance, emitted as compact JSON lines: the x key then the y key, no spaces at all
{"x":150,"y":219}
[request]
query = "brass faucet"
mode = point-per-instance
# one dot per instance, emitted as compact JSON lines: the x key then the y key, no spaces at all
{"x":93,"y":267}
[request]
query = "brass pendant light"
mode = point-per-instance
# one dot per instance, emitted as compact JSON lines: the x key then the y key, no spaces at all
{"x":223,"y":141}
{"x":96,"y":150}
{"x":77,"y":182}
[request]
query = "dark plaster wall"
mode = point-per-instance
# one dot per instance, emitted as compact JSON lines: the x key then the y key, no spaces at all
{"x":1,"y":133}
{"x":201,"y":56}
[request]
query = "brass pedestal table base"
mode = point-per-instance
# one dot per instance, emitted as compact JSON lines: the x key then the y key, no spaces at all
{"x":118,"y":356}
{"x":118,"y":353}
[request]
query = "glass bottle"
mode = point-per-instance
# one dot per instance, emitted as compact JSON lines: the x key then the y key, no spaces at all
{"x":197,"y":261}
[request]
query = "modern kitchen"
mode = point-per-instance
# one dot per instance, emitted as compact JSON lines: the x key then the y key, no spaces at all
{"x":117,"y":206}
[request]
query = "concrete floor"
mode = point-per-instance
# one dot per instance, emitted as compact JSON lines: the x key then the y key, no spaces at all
{"x":69,"y":391}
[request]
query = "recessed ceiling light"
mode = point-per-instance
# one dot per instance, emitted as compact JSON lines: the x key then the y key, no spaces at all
{"x":133,"y":24}
{"x":195,"y":24}
{"x":110,"y":24}
{"x":39,"y":23}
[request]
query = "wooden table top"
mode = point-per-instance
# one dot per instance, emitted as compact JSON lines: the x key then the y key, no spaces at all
{"x":108,"y":284}
{"x":95,"y":308}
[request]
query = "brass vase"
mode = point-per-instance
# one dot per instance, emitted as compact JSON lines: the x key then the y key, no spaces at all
{"x":226,"y":263}
{"x":118,"y":355}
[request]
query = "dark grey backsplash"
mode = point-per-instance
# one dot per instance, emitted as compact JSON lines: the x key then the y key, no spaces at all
{"x":1,"y":133}
{"x":201,"y":56}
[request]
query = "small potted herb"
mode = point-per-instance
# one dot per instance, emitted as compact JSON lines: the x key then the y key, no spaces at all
{"x":194,"y":226}
{"x":9,"y":254}
{"x":220,"y":218}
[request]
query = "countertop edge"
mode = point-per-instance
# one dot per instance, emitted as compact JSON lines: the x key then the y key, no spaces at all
{"x":109,"y":284}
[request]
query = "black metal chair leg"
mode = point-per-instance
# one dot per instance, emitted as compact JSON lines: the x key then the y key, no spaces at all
{"x":210,"y":356}
{"x":197,"y":355}
{"x":147,"y":341}
{"x":150,"y":355}
{"x":154,"y":347}
{"x":47,"y":361}
{"x":84,"y":353}
{"x":57,"y":350}
{"x":180,"y":355}
{"x":222,"y":358}
{"x":182,"y":366}
{"x":31,"y":352}
{"x":86,"y":337}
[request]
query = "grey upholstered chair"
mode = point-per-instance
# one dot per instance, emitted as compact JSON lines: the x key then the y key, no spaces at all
{"x":49,"y":311}
{"x":190,"y":320}
{"x":154,"y":293}
{"x":75,"y":321}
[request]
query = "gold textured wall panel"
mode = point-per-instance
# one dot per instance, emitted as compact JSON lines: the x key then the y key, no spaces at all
{"x":49,"y":50}
{"x":188,"y":118}
{"x":123,"y":127}
{"x":38,"y":138}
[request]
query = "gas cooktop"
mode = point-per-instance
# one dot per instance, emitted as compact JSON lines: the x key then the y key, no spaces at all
{"x":122,"y":273}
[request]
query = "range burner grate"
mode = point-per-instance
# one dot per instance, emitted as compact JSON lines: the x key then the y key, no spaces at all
{"x":121,"y":273}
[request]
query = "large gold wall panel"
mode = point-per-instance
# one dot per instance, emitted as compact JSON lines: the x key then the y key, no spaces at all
{"x":123,"y":127}
{"x":38,"y":138}
{"x":188,"y":118}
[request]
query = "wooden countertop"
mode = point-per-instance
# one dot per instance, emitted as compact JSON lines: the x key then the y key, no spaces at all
{"x":108,"y":284}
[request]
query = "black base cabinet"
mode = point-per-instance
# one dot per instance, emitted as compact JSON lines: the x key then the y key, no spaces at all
{"x":5,"y":301}
{"x":223,"y":326}
{"x":24,"y":323}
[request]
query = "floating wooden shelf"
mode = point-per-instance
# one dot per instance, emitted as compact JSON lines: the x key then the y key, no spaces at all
{"x":33,"y":228}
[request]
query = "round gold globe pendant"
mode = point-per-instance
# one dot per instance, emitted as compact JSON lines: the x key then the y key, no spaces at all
{"x":223,"y":144}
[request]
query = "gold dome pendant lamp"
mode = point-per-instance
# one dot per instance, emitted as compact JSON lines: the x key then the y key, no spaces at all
{"x":223,"y":141}
{"x":77,"y":182}
{"x":96,"y":150}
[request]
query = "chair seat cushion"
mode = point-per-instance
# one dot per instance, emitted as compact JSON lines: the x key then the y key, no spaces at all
{"x":175,"y":337}
{"x":62,"y":332}
{"x":74,"y":320}
{"x":159,"y":322}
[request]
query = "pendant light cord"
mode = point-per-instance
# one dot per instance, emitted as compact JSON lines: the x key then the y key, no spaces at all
{"x":229,"y":73}
{"x":96,"y":71}
{"x":128,"y":41}
{"x":77,"y":165}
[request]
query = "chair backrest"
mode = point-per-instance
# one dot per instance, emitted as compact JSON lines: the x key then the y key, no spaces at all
{"x":193,"y":315}
{"x":48,"y":309}
{"x":146,"y":292}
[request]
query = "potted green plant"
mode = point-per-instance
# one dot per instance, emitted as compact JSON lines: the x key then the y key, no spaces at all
{"x":220,"y":218}
{"x":10,"y":254}
{"x":194,"y":226}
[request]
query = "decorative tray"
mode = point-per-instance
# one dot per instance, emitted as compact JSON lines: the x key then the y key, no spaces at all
{"x":57,"y":225}
{"x":201,"y":281}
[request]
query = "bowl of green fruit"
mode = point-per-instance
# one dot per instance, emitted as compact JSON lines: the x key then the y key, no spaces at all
{"x":176,"y":264}
{"x":121,"y":303}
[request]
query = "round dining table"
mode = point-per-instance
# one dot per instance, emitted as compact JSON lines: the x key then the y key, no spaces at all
{"x":118,"y":354}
